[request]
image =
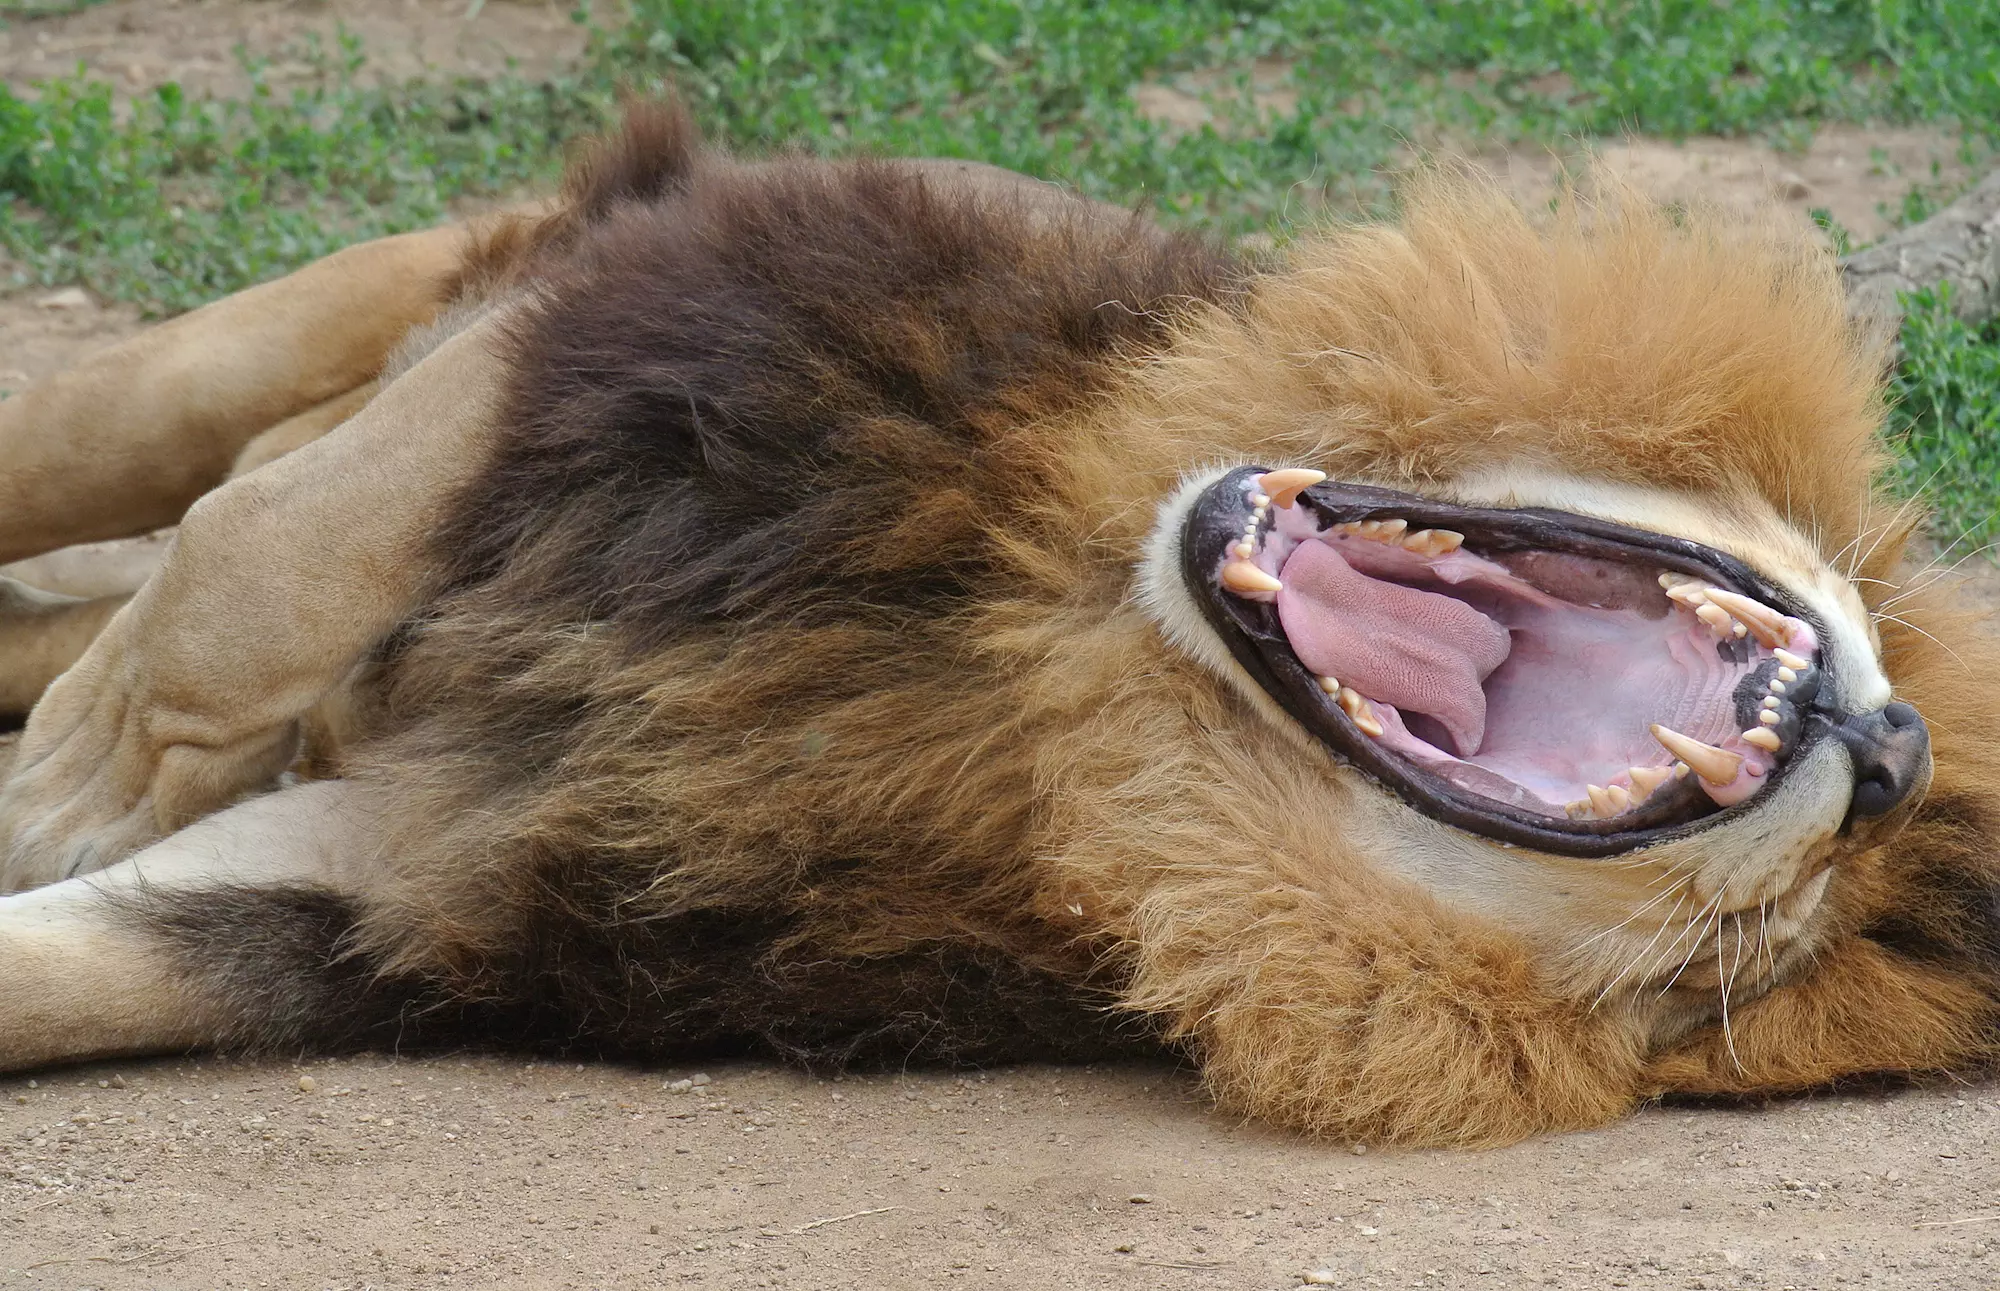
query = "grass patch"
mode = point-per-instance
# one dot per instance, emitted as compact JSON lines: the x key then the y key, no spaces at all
{"x":170,"y":200}
{"x":1945,"y":419}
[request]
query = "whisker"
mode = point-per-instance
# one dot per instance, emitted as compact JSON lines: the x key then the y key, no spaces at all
{"x":1645,"y":951}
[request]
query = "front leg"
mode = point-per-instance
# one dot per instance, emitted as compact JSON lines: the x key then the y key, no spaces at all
{"x":276,"y":584}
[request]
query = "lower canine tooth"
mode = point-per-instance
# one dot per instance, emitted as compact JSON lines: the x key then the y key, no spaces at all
{"x":1242,"y":577}
{"x":1285,"y":486}
{"x":1646,"y":779}
{"x":1764,"y":738}
{"x":1717,"y":766}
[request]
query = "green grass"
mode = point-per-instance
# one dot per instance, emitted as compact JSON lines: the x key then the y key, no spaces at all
{"x":1945,"y":419}
{"x":170,"y":200}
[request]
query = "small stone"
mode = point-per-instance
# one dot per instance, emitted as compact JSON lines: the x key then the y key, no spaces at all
{"x":1366,"y":1231}
{"x":117,"y":1082}
{"x":1317,"y":1278}
{"x":653,"y":1228}
{"x":678,"y":1086}
{"x":307,"y":1084}
{"x":643,"y":1182}
{"x":1123,"y":1248}
{"x":1140,"y":1199}
{"x":67,"y":298}
{"x":1359,"y":1149}
{"x":1790,"y":186}
{"x":699,"y":1079}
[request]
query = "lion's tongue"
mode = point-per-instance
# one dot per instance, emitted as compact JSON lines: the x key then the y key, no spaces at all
{"x":1422,"y":652}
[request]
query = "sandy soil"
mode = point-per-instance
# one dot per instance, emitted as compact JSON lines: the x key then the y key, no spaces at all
{"x":473,"y":1171}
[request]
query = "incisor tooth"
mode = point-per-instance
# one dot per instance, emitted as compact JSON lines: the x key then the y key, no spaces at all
{"x":1769,"y":718}
{"x":1646,"y":779}
{"x":1764,"y":738}
{"x":1329,"y":685}
{"x":1717,"y":618}
{"x":1286,"y":485}
{"x":1787,"y":676}
{"x":1769,"y":701}
{"x":1717,"y":766}
{"x":1765,"y":622}
{"x":1666,"y":581}
{"x":1790,"y":660}
{"x":1245,"y":550}
{"x":1242,"y":577}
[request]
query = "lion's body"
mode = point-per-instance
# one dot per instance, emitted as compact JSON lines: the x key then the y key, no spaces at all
{"x":771,"y":658}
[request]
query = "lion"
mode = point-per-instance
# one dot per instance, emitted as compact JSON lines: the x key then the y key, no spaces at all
{"x":1446,"y":680}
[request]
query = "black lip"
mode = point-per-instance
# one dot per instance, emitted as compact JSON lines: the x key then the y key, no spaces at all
{"x":1258,"y":643}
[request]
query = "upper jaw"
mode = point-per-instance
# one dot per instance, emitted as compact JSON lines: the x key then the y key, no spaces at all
{"x":1221,"y":518}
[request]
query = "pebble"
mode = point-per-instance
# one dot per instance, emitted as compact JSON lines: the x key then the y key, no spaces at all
{"x":307,"y":1084}
{"x":1140,"y":1199}
{"x":678,"y":1086}
{"x":67,"y":298}
{"x":1317,"y":1278}
{"x":1359,"y":1149}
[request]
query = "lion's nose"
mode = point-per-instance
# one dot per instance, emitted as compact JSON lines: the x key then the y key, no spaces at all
{"x":1891,"y":752}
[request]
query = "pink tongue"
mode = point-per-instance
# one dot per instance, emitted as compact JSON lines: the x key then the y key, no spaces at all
{"x":1422,"y":652}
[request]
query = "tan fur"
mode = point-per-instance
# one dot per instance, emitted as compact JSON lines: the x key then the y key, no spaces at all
{"x":1060,"y":770}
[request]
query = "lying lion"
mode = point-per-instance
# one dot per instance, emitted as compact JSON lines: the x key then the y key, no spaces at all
{"x":1442,"y":684}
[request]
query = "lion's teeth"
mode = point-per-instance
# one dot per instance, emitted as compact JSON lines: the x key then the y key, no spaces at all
{"x":1244,"y":578}
{"x":1790,"y":660}
{"x":1284,"y":486}
{"x":1776,"y":687}
{"x":1688,"y":594}
{"x":1329,"y":685}
{"x":1681,"y":770}
{"x":1359,"y":711}
{"x":1717,"y":766}
{"x":1434,"y":542}
{"x":1718,"y":620}
{"x":1787,"y":676}
{"x":1764,"y":738}
{"x":1769,"y":717}
{"x":1667,"y":580}
{"x":1766,"y":623}
{"x":1244,"y":550}
{"x":1645,"y":780}
{"x":1769,"y":701}
{"x":1608,"y":800}
{"x":1580,"y":810}
{"x":1384,"y":530}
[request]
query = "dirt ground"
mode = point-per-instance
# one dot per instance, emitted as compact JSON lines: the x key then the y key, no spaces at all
{"x":474,"y":1171}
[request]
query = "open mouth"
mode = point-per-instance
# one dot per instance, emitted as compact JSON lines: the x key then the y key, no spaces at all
{"x":1541,"y":678}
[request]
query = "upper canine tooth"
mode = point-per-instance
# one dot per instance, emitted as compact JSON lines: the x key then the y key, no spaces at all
{"x":1790,"y":660}
{"x":1766,"y":623}
{"x":1717,"y":618}
{"x":1646,"y":779}
{"x":1285,"y":486}
{"x":1717,"y":766}
{"x":1242,"y":577}
{"x":1764,"y":738}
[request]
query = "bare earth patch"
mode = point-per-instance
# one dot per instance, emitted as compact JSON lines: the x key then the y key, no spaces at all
{"x":474,"y":1171}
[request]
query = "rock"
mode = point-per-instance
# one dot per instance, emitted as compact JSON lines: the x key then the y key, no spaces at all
{"x":1140,"y":1199}
{"x":67,"y":298}
{"x":307,"y":1084}
{"x":678,"y":1086}
{"x":1317,"y":1278}
{"x":699,"y":1079}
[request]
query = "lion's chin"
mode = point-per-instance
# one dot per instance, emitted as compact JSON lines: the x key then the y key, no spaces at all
{"x":1537,"y":677}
